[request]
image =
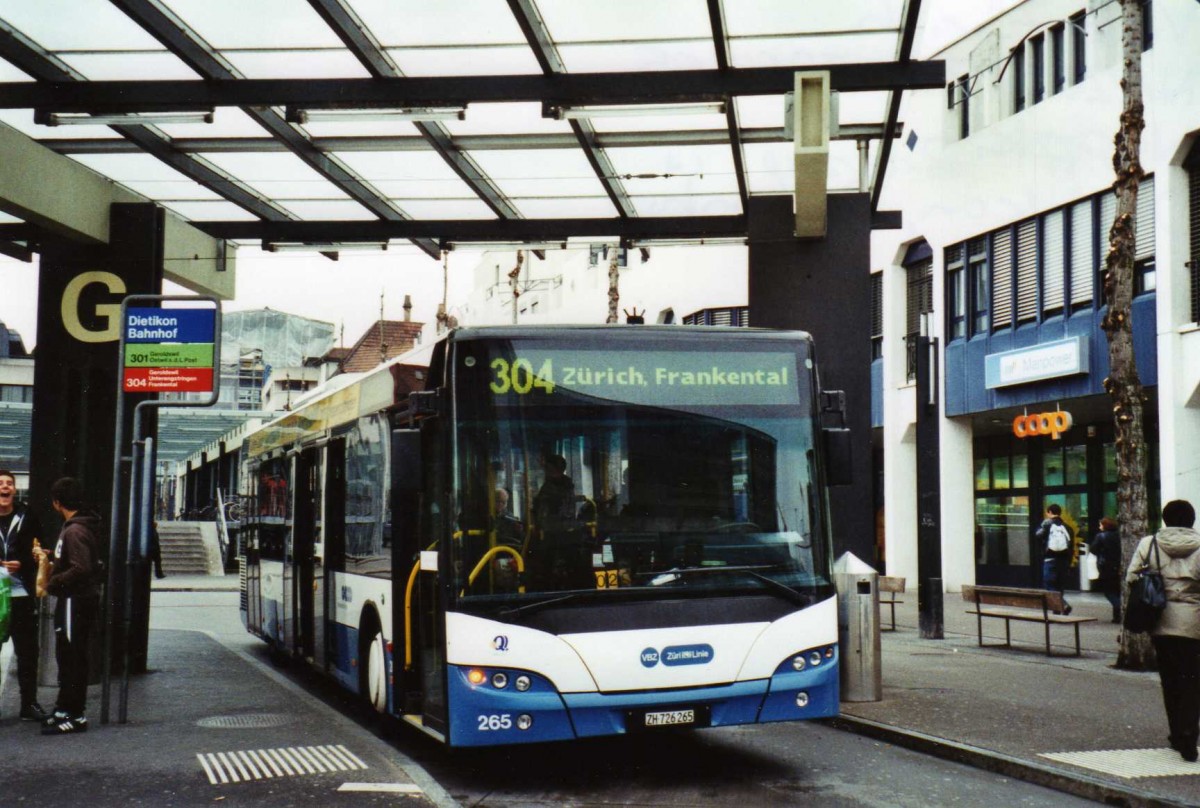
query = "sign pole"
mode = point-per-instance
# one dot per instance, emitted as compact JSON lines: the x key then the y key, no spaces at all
{"x":162,"y":350}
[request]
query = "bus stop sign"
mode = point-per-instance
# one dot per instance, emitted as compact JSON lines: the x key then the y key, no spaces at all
{"x":168,"y":350}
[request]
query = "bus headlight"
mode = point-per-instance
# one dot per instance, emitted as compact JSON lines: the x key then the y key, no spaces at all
{"x":524,"y":721}
{"x":798,"y":662}
{"x":523,"y":683}
{"x":499,"y":680}
{"x":801,"y":699}
{"x":476,"y":676}
{"x":814,"y":658}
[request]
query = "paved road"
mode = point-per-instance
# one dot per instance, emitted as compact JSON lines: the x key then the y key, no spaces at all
{"x":784,"y":764}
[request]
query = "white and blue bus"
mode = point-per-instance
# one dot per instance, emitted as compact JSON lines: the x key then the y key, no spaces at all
{"x":543,"y":533}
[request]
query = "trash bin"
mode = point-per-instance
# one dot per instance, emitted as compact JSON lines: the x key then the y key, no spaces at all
{"x":858,"y":629}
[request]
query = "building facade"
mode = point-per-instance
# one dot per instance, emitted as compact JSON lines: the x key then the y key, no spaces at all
{"x":1005,"y":181}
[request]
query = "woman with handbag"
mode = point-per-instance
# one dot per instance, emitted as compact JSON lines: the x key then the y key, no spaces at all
{"x":1175,"y":553}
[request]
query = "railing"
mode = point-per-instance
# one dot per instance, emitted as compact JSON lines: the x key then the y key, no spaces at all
{"x":222,"y":529}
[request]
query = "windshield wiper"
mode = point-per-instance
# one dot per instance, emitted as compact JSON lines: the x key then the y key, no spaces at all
{"x":754,"y":571}
{"x":537,"y":606}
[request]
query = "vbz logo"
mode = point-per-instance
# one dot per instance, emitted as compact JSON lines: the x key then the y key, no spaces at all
{"x":500,"y":642}
{"x":650,"y":657}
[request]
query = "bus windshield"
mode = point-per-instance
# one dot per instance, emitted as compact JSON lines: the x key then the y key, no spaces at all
{"x":657,"y":468}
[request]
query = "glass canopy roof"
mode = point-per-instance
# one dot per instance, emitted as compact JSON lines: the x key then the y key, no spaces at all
{"x":498,"y":160}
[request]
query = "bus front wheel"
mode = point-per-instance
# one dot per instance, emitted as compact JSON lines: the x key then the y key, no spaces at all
{"x":373,"y":684}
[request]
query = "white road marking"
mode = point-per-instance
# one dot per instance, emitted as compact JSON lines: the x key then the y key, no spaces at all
{"x":259,"y":764}
{"x":387,"y":788}
{"x":1129,"y":763}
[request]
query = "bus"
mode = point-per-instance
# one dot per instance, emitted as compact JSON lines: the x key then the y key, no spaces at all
{"x":542,"y":533}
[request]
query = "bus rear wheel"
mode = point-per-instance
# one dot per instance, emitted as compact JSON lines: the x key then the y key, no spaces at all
{"x":373,"y":684}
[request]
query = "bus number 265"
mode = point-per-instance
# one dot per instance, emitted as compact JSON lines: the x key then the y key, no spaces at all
{"x":491,"y":723}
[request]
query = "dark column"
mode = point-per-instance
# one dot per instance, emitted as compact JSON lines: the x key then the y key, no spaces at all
{"x":822,"y":286}
{"x":929,"y":498}
{"x":80,"y":288}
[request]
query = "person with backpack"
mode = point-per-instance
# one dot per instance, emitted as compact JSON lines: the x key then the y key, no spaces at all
{"x":76,"y":569}
{"x":1058,"y":548}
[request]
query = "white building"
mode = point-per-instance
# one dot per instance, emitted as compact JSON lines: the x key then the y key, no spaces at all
{"x":1005,"y":184}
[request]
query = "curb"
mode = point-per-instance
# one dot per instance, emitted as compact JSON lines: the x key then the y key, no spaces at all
{"x":1077,"y":784}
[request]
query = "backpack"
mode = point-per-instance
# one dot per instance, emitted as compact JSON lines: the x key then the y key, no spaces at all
{"x":1059,"y":538}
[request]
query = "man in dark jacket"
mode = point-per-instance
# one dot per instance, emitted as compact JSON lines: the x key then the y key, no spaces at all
{"x":1058,"y":547}
{"x":74,"y":580}
{"x":18,"y":529}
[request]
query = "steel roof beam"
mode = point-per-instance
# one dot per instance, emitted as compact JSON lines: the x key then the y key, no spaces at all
{"x":539,"y":39}
{"x":716,"y":19}
{"x":169,"y":30}
{"x":560,"y":89}
{"x":385,"y":143}
{"x":362,"y":43}
{"x":45,"y":67}
{"x":908,"y":33}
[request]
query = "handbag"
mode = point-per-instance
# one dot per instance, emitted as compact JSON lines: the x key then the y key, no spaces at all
{"x":5,"y":606}
{"x":1093,"y":567}
{"x":1147,"y":596}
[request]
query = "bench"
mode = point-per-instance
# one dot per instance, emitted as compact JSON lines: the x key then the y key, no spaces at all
{"x":893,"y":586}
{"x":1009,"y":603}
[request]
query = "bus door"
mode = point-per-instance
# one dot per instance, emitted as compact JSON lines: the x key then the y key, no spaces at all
{"x":334,"y":533}
{"x":418,"y":515}
{"x":251,"y":570}
{"x":305,"y":529}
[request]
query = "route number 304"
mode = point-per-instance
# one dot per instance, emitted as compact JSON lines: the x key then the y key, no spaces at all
{"x":491,"y":723}
{"x":518,"y":377}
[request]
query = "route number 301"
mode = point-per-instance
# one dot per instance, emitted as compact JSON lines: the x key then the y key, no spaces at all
{"x":491,"y":723}
{"x":519,"y":377}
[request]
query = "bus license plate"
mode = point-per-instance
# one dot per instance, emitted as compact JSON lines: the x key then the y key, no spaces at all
{"x":669,"y":718}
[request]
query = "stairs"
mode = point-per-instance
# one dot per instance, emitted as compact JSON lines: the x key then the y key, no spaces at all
{"x":185,"y":549}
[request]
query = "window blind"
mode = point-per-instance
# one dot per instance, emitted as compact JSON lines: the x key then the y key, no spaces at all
{"x":1082,"y":261}
{"x":876,"y":304}
{"x":1194,"y":237}
{"x":1027,"y":286}
{"x":1052,"y":261}
{"x":1144,"y":226}
{"x":1002,"y":278}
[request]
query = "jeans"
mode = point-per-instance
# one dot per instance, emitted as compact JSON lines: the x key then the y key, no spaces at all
{"x":1050,"y":575}
{"x":1179,"y":671}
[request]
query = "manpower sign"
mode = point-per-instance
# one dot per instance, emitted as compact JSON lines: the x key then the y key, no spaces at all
{"x":1049,"y":360}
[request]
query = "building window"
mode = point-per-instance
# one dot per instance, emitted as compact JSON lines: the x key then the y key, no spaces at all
{"x":918,"y":301}
{"x":1079,"y":47}
{"x":1018,"y":73}
{"x":977,"y":270}
{"x":1083,"y":253}
{"x":1147,"y":25}
{"x":1058,"y":58}
{"x":956,"y":292}
{"x":1053,"y":269}
{"x":1194,"y":229}
{"x":16,"y":393}
{"x":960,"y":95}
{"x":1002,"y":279}
{"x":1037,"y":45}
{"x":1145,"y":277}
{"x":1027,"y":271}
{"x":876,"y":315}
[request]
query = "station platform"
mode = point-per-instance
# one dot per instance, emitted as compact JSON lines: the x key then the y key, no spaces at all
{"x":1072,"y":723}
{"x":212,"y":705}
{"x":209,"y":724}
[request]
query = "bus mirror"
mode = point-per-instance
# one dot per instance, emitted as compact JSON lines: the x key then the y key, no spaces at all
{"x":406,"y":459}
{"x":423,"y":403}
{"x":838,"y":457}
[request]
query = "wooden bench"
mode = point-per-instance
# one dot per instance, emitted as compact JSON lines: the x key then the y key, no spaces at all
{"x":1029,"y":605}
{"x":892,"y":586}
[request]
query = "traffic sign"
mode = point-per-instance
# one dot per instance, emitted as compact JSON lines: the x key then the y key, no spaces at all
{"x":168,"y":380}
{"x":169,"y":325}
{"x":191,"y":355}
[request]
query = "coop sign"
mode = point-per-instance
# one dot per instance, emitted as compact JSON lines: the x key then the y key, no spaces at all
{"x":1049,"y":360}
{"x":1042,"y":423}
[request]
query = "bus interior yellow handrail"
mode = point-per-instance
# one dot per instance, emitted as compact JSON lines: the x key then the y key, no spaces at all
{"x":488,"y":556}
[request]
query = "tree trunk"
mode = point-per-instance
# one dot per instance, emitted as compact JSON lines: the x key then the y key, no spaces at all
{"x":613,"y":277}
{"x":1123,"y":384}
{"x":514,"y":277}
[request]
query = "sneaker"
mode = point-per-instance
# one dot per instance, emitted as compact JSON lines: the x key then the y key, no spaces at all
{"x":67,"y":726}
{"x":34,"y":712}
{"x":55,"y":718}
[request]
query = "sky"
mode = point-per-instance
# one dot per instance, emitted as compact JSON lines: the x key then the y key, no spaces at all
{"x":348,"y":293}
